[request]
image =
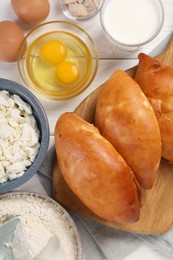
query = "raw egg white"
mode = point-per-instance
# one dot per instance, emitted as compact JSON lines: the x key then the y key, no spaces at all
{"x":53,"y":51}
{"x":31,"y":11}
{"x":67,"y":72}
{"x":11,"y":37}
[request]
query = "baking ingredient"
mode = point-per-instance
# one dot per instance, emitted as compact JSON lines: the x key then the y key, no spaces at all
{"x":125,"y":117}
{"x":131,"y":22}
{"x":81,"y":8}
{"x":40,"y":219}
{"x":31,"y":12}
{"x":67,"y":72}
{"x":156,"y":81}
{"x":53,"y":249}
{"x":53,"y":51}
{"x":19,"y":136}
{"x":69,"y":66}
{"x":11,"y":37}
{"x":95,"y":171}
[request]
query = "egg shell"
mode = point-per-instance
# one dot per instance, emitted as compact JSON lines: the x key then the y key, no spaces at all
{"x":31,"y":12}
{"x":11,"y":37}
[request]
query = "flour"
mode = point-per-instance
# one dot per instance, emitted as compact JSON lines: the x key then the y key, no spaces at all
{"x":30,"y":237}
{"x":39,"y":221}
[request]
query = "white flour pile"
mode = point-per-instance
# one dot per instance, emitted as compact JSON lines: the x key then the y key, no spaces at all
{"x":39,"y":221}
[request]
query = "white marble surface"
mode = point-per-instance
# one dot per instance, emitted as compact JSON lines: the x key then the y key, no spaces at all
{"x":109,"y":61}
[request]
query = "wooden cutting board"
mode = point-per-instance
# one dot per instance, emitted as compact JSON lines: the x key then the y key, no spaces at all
{"x":156,"y":215}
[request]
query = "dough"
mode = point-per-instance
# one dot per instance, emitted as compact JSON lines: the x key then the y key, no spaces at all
{"x":156,"y":81}
{"x":95,"y":171}
{"x":125,"y":117}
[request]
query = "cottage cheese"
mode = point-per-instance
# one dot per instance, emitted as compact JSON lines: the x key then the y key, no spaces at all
{"x":19,"y":136}
{"x":40,"y":219}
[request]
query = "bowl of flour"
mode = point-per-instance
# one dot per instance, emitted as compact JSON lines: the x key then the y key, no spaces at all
{"x":40,"y":219}
{"x":24,"y":135}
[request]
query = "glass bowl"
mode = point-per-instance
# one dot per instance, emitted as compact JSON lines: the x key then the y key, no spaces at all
{"x":60,"y":60}
{"x":80,"y":10}
{"x":131,"y":24}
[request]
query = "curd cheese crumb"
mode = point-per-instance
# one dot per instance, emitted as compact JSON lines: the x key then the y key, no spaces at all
{"x":19,"y":136}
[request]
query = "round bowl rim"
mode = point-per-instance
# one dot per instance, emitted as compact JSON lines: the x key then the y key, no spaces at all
{"x":93,"y":74}
{"x":57,"y":205}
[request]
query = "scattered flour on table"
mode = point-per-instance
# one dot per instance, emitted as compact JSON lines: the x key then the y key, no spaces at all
{"x":39,"y":221}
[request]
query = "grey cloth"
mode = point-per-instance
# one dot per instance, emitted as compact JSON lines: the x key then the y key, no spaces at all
{"x":162,"y":243}
{"x":114,"y":244}
{"x":100,"y":242}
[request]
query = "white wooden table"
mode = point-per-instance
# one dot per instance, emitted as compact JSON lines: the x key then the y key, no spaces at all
{"x":109,"y":61}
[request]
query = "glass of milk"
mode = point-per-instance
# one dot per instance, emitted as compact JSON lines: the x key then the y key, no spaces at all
{"x":129,"y":24}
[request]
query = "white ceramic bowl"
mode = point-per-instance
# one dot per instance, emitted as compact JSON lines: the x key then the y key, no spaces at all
{"x":37,"y":209}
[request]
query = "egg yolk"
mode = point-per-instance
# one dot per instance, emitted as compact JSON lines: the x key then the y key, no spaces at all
{"x":53,"y":51}
{"x":67,"y":72}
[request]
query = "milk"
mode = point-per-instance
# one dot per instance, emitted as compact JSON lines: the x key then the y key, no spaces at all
{"x":132,"y":22}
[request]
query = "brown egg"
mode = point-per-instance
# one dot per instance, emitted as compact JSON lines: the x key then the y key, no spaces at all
{"x":11,"y":37}
{"x":31,"y":11}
